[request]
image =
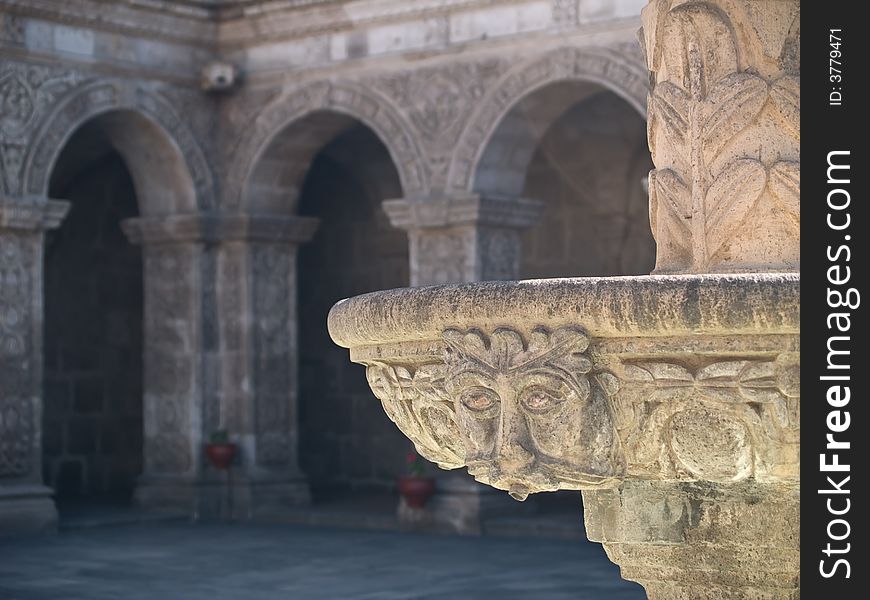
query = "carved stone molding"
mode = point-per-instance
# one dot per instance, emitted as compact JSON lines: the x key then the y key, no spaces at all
{"x":463,"y":237}
{"x":32,"y":214}
{"x":529,"y":411}
{"x":27,"y":93}
{"x":463,"y":209}
{"x":729,"y":420}
{"x":94,"y":98}
{"x":724,"y":130}
{"x":369,"y":107}
{"x":212,"y":228}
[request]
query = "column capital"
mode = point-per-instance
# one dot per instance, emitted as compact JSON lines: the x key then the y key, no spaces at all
{"x":31,"y":213}
{"x":463,"y":209}
{"x":213,"y":228}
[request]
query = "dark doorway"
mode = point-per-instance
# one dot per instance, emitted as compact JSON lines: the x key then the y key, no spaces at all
{"x":92,"y":417}
{"x":346,"y":440}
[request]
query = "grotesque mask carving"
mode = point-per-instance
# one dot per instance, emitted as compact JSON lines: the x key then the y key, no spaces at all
{"x":532,"y":415}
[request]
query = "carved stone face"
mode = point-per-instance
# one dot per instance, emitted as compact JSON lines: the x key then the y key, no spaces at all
{"x":531,"y":417}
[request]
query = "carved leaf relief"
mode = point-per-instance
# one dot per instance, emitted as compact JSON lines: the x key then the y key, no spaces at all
{"x":709,"y":89}
{"x":785,"y":94}
{"x":730,"y":199}
{"x":671,"y":207}
{"x":785,"y":183}
{"x":731,"y":106}
{"x":698,"y":47}
{"x":720,"y":422}
{"x":671,"y":107}
{"x":417,"y":403}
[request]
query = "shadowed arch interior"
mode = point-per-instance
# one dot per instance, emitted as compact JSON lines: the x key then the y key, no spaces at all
{"x":581,"y":149}
{"x":346,"y":443}
{"x":276,"y":180}
{"x":92,"y":415}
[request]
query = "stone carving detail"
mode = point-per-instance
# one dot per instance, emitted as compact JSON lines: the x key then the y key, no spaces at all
{"x":96,"y":97}
{"x":26,"y":93}
{"x":416,"y":400}
{"x":725,"y":421}
{"x":525,"y":413}
{"x":16,"y":435}
{"x":724,"y":130}
{"x":438,"y":102}
{"x":169,"y":369}
{"x":533,"y":415}
{"x":530,"y":412}
{"x":16,"y":408}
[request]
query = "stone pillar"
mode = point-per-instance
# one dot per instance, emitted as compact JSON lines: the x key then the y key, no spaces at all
{"x":460,"y":239}
{"x":220,"y":354}
{"x":175,"y":402}
{"x":25,"y":503}
{"x":256,"y":298}
{"x":724,"y":131}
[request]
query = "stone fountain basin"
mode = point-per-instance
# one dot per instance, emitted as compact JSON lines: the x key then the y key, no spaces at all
{"x":580,"y":383}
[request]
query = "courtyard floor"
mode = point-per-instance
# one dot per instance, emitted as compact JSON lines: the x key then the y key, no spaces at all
{"x":166,"y":561}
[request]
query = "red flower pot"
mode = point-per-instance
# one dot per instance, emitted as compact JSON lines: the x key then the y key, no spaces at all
{"x":221,"y":455}
{"x":416,"y":490}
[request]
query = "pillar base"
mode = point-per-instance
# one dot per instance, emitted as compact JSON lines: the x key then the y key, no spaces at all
{"x":210,"y":499}
{"x":26,"y":509}
{"x":701,"y":540}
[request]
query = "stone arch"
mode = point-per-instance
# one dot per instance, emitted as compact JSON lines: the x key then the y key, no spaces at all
{"x":134,"y":119}
{"x":606,"y":68}
{"x":296,"y":126}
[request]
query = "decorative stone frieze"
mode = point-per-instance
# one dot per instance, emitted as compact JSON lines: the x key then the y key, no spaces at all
{"x":463,"y":237}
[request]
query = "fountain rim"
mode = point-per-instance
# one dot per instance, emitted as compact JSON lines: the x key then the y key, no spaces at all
{"x":624,"y":306}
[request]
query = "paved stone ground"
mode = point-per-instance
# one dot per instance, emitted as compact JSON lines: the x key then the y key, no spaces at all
{"x":183,"y":561}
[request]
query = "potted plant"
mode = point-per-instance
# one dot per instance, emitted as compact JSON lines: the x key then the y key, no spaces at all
{"x":415,"y":487}
{"x":220,"y":450}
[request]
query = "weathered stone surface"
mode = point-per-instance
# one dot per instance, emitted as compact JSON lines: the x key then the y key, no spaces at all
{"x":724,"y":131}
{"x":701,"y":540}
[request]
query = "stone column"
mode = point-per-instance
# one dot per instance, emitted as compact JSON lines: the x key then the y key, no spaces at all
{"x":724,"y":131}
{"x":463,"y":238}
{"x":176,"y":400}
{"x":256,"y":299}
{"x":25,"y":503}
{"x":220,"y":354}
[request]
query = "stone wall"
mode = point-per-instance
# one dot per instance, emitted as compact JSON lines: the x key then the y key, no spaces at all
{"x":92,"y":418}
{"x":218,"y":175}
{"x":345,"y":440}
